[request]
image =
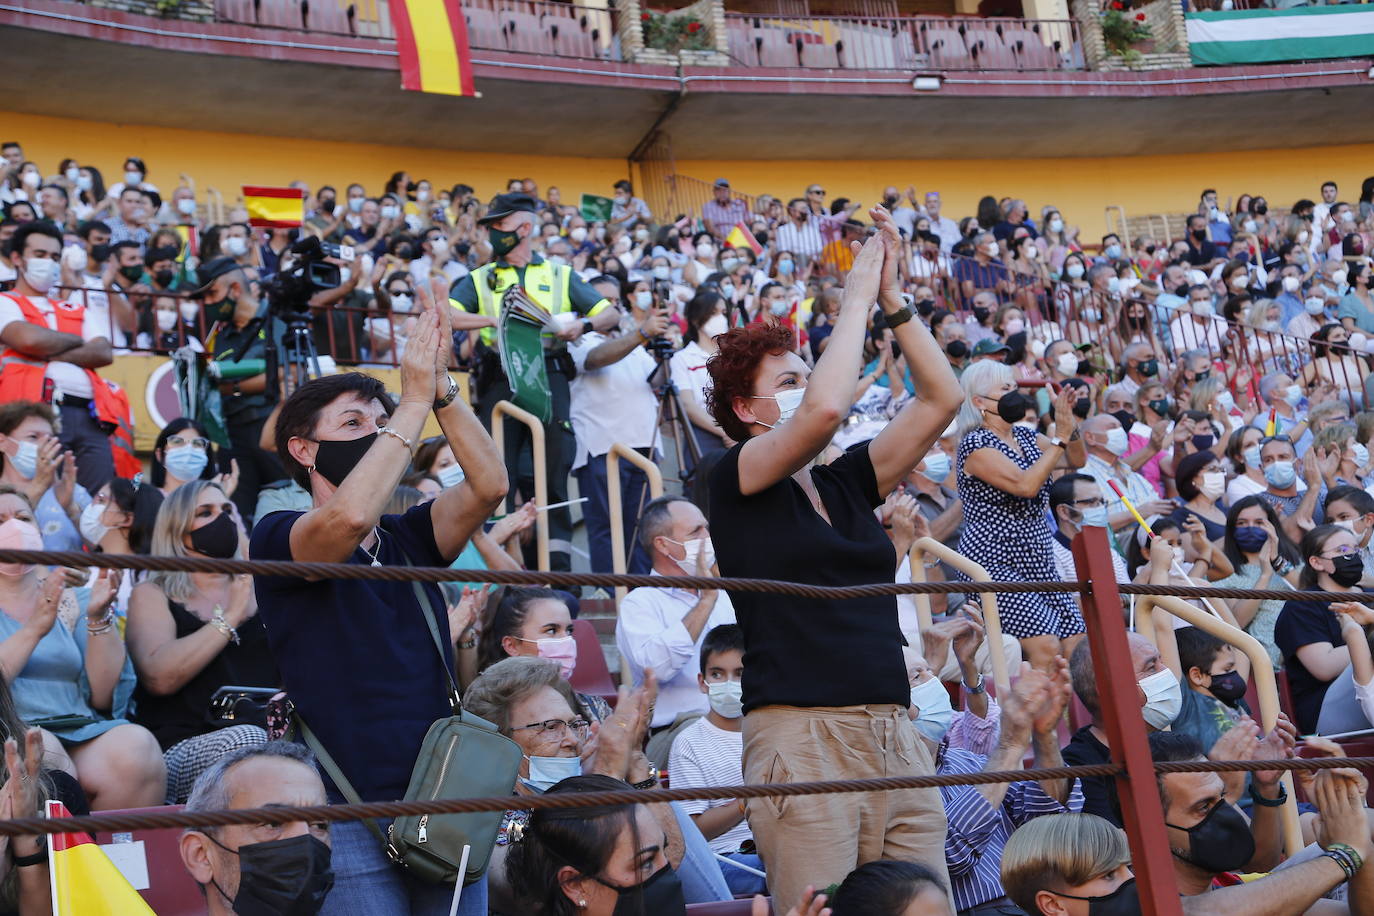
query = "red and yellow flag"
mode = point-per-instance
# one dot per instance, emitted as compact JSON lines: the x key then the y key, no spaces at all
{"x":432,"y":38}
{"x":84,"y":880}
{"x":274,"y":208}
{"x":741,"y":237}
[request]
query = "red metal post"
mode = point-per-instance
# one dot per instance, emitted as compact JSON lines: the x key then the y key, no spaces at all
{"x":1125,"y":727}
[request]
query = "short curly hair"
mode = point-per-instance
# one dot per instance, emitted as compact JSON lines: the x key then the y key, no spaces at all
{"x":735,"y":366}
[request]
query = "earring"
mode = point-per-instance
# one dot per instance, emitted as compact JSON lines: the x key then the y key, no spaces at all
{"x":310,"y":469}
{"x":582,"y":904}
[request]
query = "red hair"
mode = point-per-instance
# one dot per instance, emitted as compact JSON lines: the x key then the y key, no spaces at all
{"x":736,"y":365}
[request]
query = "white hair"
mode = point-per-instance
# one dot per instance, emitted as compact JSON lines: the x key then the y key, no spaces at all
{"x":979,"y":380}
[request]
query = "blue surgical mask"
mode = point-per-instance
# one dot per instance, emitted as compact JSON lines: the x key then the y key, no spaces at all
{"x":933,"y":709}
{"x":1281,"y":474}
{"x":1112,"y":251}
{"x":785,"y":266}
{"x":185,"y":463}
{"x":779,"y":307}
{"x":25,"y":460}
{"x":451,"y":476}
{"x":937,"y":466}
{"x":1252,"y":456}
{"x":1093,"y":315}
{"x":1293,"y":395}
{"x":1095,"y":517}
{"x":546,"y":772}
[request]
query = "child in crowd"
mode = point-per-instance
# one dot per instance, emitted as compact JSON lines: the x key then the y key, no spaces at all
{"x":1215,"y":676}
{"x":709,"y":752}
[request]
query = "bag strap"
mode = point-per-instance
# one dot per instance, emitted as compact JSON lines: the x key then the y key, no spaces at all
{"x":426,"y":599}
{"x":335,"y":774}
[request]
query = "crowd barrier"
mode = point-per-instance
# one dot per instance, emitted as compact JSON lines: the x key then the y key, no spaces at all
{"x":620,"y":551}
{"x":1142,"y":812}
{"x":541,"y":482}
{"x":992,"y":621}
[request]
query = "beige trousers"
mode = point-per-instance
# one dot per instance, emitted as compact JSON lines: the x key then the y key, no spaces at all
{"x":819,"y":839}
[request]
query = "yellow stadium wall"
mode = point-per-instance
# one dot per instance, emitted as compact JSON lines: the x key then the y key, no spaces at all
{"x":1080,"y":187}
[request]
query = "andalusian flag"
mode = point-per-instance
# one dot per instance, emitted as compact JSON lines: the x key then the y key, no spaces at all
{"x":741,"y":237}
{"x":274,"y":208}
{"x":432,"y":38}
{"x":84,"y":881}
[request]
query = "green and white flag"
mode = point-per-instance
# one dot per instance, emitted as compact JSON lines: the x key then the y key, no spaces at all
{"x":1262,"y":36}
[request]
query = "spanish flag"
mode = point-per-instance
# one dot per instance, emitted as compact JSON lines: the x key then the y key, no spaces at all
{"x":274,"y":208}
{"x":432,"y":39}
{"x":741,"y":237}
{"x":84,"y":881}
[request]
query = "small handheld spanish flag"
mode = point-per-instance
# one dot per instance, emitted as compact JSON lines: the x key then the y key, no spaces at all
{"x":84,"y":880}
{"x":432,"y":41}
{"x":274,"y":208}
{"x":741,"y":237}
{"x":1272,"y":426}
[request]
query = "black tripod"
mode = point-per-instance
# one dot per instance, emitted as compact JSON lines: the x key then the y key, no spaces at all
{"x":298,"y":359}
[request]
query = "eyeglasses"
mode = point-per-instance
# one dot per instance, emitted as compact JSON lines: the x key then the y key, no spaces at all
{"x":1280,"y":437}
{"x":179,"y":442}
{"x":576,"y":726}
{"x":820,"y":191}
{"x":1343,"y":551}
{"x":1091,"y":502}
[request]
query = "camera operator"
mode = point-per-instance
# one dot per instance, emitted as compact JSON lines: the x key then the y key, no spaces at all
{"x":613,"y":401}
{"x":241,"y":331}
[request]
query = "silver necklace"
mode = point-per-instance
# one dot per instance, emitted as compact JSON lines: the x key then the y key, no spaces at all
{"x":373,"y":554}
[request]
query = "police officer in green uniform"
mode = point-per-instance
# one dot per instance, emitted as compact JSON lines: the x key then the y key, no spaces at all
{"x":511,"y":222}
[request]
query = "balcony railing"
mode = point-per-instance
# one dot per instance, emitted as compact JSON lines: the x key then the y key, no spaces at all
{"x":904,"y":43}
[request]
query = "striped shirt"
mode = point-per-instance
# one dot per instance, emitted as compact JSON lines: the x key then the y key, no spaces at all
{"x":978,"y":832}
{"x":704,"y":755}
{"x":720,"y":218}
{"x":808,"y":239}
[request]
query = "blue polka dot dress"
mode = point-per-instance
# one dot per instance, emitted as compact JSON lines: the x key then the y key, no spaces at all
{"x":1010,"y":537}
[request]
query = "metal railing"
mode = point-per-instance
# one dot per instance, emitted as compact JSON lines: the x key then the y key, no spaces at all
{"x":500,"y":410}
{"x":524,"y":26}
{"x":904,"y":43}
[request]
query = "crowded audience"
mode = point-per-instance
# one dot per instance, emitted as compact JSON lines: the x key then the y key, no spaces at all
{"x":828,"y":395}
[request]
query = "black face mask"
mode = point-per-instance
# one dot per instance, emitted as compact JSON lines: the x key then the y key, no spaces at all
{"x":405,"y":252}
{"x":1221,"y":842}
{"x":335,"y":458}
{"x":288,"y":877}
{"x":1181,"y":290}
{"x":1202,"y":375}
{"x":1230,"y":686}
{"x":326,"y":205}
{"x":100,"y":253}
{"x":1124,"y":901}
{"x":165,"y":278}
{"x":1125,"y":418}
{"x":1202,"y":442}
{"x":925,"y":307}
{"x":132,"y":273}
{"x":219,"y":539}
{"x":1012,"y":406}
{"x":980,"y":314}
{"x":1200,"y":234}
{"x":223,"y":309}
{"x":1261,"y":209}
{"x":1085,"y":367}
{"x":1349,"y":570}
{"x":1081,"y":408}
{"x":660,"y":895}
{"x":1149,"y":368}
{"x":1160,"y":406}
{"x":957,"y":349}
{"x":502,"y":242}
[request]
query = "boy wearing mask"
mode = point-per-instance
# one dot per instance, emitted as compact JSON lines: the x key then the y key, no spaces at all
{"x":710,"y":751}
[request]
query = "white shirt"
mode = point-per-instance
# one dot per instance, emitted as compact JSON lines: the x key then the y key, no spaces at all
{"x":947,"y":229}
{"x":923,"y":269}
{"x":1187,"y":334}
{"x":651,"y":634}
{"x":97,"y":302}
{"x":688,"y":368}
{"x":905,"y":218}
{"x":702,"y":756}
{"x":611,"y":404}
{"x":66,"y":377}
{"x":419,"y":270}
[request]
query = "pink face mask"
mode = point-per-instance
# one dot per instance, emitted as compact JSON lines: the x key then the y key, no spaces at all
{"x":17,"y":534}
{"x":562,"y":650}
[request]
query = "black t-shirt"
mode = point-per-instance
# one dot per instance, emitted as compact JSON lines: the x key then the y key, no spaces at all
{"x":232,"y":344}
{"x":357,"y":657}
{"x":1099,"y":792}
{"x":1201,"y":253}
{"x":1302,"y":623}
{"x":802,"y":652}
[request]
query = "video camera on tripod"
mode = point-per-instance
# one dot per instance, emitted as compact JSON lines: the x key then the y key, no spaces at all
{"x":290,"y":290}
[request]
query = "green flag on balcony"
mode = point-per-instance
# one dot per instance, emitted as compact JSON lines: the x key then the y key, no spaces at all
{"x":596,"y":209}
{"x":1262,"y":36}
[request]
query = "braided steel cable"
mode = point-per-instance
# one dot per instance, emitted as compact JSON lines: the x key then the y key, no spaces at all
{"x":331,"y":813}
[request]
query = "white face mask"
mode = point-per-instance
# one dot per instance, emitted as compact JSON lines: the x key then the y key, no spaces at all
{"x":75,"y":257}
{"x":1291,"y":284}
{"x":40,"y":273}
{"x":788,"y":402}
{"x":401,"y":303}
{"x":643,"y":300}
{"x":91,"y":528}
{"x":578,"y":234}
{"x":1056,"y":225}
{"x":355,"y":204}
{"x":133,"y":177}
{"x":1013,"y":326}
{"x":422,"y":196}
{"x":547,"y":772}
{"x":236,"y":246}
{"x":662,"y":272}
{"x":32,"y":179}
{"x":84,"y":182}
{"x":1303,"y":237}
{"x":991,"y":249}
{"x":187,"y":206}
{"x":693,"y":548}
{"x":726,"y":699}
{"x":1066,"y":363}
{"x":451,"y":476}
{"x":1213,"y":484}
{"x":166,"y":320}
{"x":715,"y":325}
{"x":1117,"y":443}
{"x":706,"y":251}
{"x":391,"y":211}
{"x":1075,"y":270}
{"x":933,"y":709}
{"x":440,"y":249}
{"x":72,"y":174}
{"x":1251,"y":225}
{"x":1340,"y":276}
{"x":1226,"y":401}
{"x":189,"y":310}
{"x":1163,"y":699}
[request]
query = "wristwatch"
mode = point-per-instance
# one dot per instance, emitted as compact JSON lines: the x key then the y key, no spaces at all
{"x":898,"y":318}
{"x":587,"y":327}
{"x":1056,"y":442}
{"x":449,"y":395}
{"x":976,"y":688}
{"x":1269,"y":802}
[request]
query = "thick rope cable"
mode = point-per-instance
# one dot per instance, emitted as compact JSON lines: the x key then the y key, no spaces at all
{"x":291,"y":569}
{"x":100,"y":823}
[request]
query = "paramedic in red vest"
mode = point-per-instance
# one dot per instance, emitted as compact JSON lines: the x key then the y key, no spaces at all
{"x":50,"y":351}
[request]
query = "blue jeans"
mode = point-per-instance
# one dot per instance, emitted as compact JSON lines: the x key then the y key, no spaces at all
{"x":700,"y":872}
{"x":593,"y":483}
{"x":367,"y":883}
{"x":743,"y":883}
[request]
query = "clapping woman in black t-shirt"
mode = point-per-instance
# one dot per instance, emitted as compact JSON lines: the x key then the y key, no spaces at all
{"x":825,"y":687}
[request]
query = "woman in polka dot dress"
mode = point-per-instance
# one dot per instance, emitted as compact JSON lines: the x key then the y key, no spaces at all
{"x":1004,"y":473}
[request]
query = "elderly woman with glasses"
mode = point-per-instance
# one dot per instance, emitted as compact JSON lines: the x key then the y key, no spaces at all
{"x":528,"y":700}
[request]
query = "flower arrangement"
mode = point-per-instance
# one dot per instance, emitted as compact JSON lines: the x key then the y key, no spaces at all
{"x":1122,"y":29}
{"x":668,"y":32}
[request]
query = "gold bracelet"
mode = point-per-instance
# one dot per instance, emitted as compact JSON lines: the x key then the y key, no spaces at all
{"x":388,"y":431}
